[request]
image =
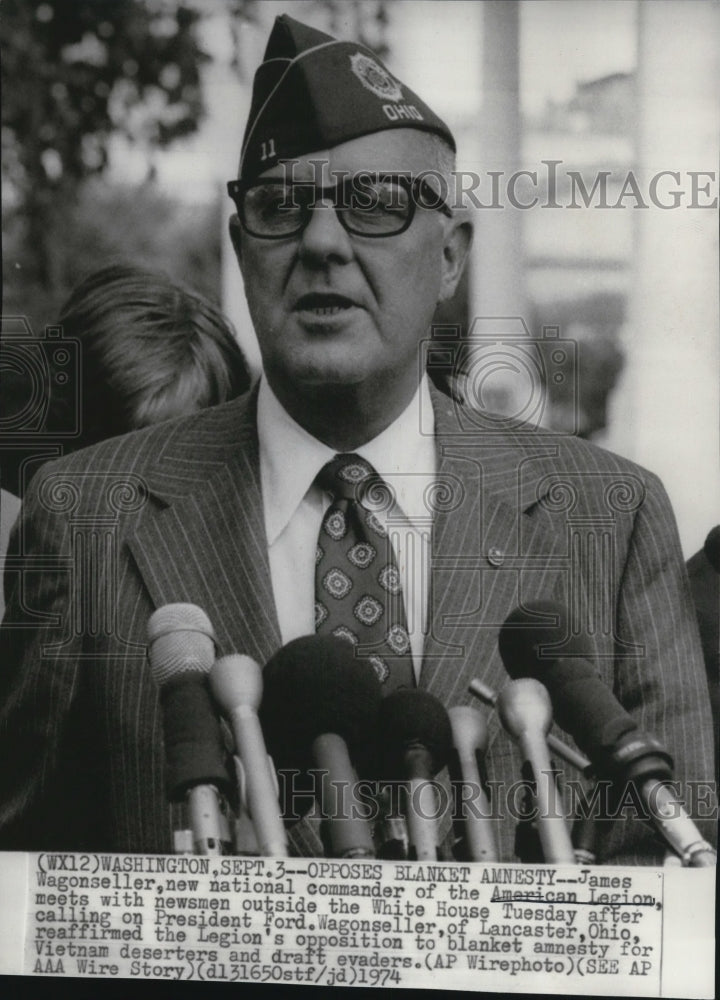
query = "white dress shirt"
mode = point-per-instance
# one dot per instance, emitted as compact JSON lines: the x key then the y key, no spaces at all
{"x":294,"y":506}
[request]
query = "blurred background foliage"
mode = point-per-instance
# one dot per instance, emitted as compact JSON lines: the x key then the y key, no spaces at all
{"x":76,"y":74}
{"x":92,"y":71}
{"x":111,"y":221}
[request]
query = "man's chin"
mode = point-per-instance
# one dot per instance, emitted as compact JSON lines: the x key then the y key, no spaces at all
{"x":316,"y":374}
{"x":329,"y":380}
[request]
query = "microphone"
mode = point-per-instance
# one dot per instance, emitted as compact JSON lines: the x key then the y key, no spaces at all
{"x":526,"y":715}
{"x":588,"y":710}
{"x":319,"y":711}
{"x":416,"y":742}
{"x":391,"y":832}
{"x":585,"y":834}
{"x":470,"y":736}
{"x":571,"y":756}
{"x":712,"y":548}
{"x":236,"y":682}
{"x":181,"y":651}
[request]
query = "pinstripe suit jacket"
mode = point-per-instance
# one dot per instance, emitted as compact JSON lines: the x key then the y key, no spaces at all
{"x":174,"y":513}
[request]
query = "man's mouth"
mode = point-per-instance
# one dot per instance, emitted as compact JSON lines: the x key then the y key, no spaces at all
{"x":323,"y":303}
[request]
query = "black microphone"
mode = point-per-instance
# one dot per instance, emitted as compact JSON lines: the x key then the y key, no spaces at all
{"x":712,"y":548}
{"x":181,"y":651}
{"x":319,"y":711}
{"x":415,"y":741}
{"x":588,"y":710}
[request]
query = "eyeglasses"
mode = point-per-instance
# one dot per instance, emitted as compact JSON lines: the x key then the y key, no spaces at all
{"x":374,"y":205}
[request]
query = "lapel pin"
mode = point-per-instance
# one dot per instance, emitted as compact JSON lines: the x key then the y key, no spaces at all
{"x":495,"y":556}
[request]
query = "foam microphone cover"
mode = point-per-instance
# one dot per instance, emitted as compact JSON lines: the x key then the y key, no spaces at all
{"x":533,"y":636}
{"x":582,"y":704}
{"x":411,"y":719}
{"x":585,"y":707}
{"x":312,"y":686}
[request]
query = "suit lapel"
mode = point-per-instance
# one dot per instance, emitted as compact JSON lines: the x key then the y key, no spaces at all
{"x":490,"y":552}
{"x":208,"y":545}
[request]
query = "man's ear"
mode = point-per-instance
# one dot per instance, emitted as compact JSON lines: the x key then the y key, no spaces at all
{"x":236,"y":237}
{"x":456,"y":246}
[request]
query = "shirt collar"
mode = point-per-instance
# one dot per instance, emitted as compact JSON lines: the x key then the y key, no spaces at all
{"x":290,"y":458}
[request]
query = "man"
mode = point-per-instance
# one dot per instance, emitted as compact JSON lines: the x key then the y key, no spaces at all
{"x":704,"y":575}
{"x":346,"y":242}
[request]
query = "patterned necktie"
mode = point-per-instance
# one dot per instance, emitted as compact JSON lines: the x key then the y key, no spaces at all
{"x":358,"y":593}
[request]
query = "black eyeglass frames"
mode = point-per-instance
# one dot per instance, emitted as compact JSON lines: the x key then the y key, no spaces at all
{"x":367,"y":204}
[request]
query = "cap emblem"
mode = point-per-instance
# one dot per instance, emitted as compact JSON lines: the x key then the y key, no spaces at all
{"x":374,"y":78}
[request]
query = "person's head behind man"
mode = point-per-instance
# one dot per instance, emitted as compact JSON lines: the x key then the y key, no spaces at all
{"x":341,"y":297}
{"x":151,"y":349}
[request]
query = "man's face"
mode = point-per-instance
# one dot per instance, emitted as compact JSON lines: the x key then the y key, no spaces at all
{"x":335,"y":309}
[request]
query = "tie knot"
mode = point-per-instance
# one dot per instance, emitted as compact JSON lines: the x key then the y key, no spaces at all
{"x":345,"y":476}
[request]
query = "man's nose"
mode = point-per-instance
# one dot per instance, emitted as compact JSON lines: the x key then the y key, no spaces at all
{"x":324,"y":238}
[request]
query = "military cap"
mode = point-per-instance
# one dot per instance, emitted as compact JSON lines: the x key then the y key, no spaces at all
{"x":312,"y":92}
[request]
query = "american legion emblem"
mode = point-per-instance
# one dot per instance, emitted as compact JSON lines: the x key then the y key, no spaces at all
{"x":376,"y":79}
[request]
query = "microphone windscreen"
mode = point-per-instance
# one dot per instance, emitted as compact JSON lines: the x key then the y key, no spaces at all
{"x":312,"y":686}
{"x":410,"y":719}
{"x":589,"y":711}
{"x":533,"y":636}
{"x":180,"y":640}
{"x":712,"y":548}
{"x":582,"y":703}
{"x":193,"y":744}
{"x":534,"y":642}
{"x":585,"y":707}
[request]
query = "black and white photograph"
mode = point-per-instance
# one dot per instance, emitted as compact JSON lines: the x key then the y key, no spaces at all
{"x":360,"y":510}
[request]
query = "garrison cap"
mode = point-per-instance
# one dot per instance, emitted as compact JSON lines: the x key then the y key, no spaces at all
{"x":313,"y":92}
